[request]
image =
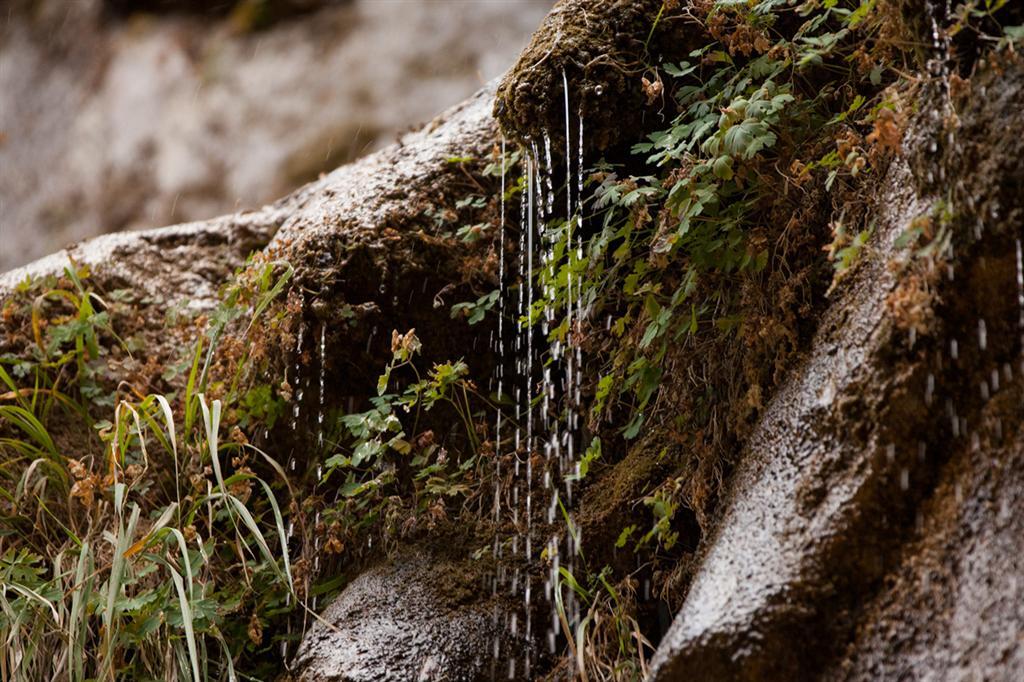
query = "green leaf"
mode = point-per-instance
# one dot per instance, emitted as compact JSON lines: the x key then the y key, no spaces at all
{"x":633,"y":427}
{"x":186,"y":616}
{"x":382,"y":381}
{"x":683,"y":69}
{"x":875,"y":76}
{"x":367,"y":450}
{"x":604,"y":388}
{"x":722,"y":168}
{"x":624,"y":536}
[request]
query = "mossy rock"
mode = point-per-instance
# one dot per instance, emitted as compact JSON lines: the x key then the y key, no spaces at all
{"x":604,"y":49}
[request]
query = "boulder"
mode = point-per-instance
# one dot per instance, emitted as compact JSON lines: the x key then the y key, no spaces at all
{"x":415,"y":617}
{"x":358,"y":236}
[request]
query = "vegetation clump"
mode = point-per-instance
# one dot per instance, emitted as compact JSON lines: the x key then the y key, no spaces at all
{"x":138,"y":536}
{"x":711,"y":246}
{"x":202,"y":503}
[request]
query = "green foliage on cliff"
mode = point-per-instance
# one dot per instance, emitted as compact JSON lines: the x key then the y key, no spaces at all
{"x":151,"y":544}
{"x":702,"y":257}
{"x":150,"y":535}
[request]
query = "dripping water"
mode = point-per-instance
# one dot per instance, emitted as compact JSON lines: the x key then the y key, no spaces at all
{"x":1020,"y":296}
{"x":323,"y":397}
{"x":298,"y":391}
{"x":542,"y":381}
{"x":500,"y":371}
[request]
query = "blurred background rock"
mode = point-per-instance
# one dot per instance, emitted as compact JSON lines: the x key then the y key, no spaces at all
{"x":124,"y":114}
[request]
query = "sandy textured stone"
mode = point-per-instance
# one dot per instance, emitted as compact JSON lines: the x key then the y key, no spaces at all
{"x":414,"y":618}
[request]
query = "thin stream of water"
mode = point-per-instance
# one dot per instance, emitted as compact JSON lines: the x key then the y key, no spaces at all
{"x":1020,"y":298}
{"x":549,"y":437}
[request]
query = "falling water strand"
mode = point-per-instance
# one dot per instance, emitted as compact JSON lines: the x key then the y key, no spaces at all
{"x":546,"y":379}
{"x":521,"y":386}
{"x":540,"y":209}
{"x":520,"y":383}
{"x":572,"y":367}
{"x":569,"y":213}
{"x":320,"y":408}
{"x":298,"y":391}
{"x":1020,"y":299}
{"x":548,"y":240}
{"x":938,"y":67}
{"x":579,"y":220}
{"x":291,"y":459}
{"x":568,"y":153}
{"x":524,"y":356}
{"x":550,"y":177}
{"x":941,"y":115}
{"x":534,"y":188}
{"x":500,"y":348}
{"x":524,"y":228}
{"x":573,"y":389}
{"x":320,"y":444}
{"x":500,"y":344}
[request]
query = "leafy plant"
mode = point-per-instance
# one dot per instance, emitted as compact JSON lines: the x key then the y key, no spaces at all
{"x":475,"y":311}
{"x":384,"y":458}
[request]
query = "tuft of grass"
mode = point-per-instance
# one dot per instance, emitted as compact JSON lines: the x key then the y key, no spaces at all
{"x":150,"y":527}
{"x":131,"y":591}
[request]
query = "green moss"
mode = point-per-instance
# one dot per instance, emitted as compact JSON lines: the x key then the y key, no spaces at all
{"x":603,"y":48}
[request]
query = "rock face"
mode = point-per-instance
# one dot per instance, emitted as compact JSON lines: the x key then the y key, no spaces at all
{"x":115,"y":119}
{"x":366,"y":237}
{"x":872,"y":528}
{"x":414,"y":618}
{"x":360,"y":204}
{"x":582,"y":42}
{"x":868,"y":532}
{"x":797,"y":536}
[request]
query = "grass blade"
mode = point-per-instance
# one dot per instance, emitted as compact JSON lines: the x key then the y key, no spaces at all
{"x":186,"y":619}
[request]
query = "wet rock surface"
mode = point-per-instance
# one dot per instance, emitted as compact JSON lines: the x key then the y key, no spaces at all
{"x":182,"y":268}
{"x":187,"y":261}
{"x":357,"y":238}
{"x":872,"y":528}
{"x":360,"y":238}
{"x":367,"y":237}
{"x":953,"y":606}
{"x":416,"y":617}
{"x":790,"y":494}
{"x":795,"y":507}
{"x":869,"y":518}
